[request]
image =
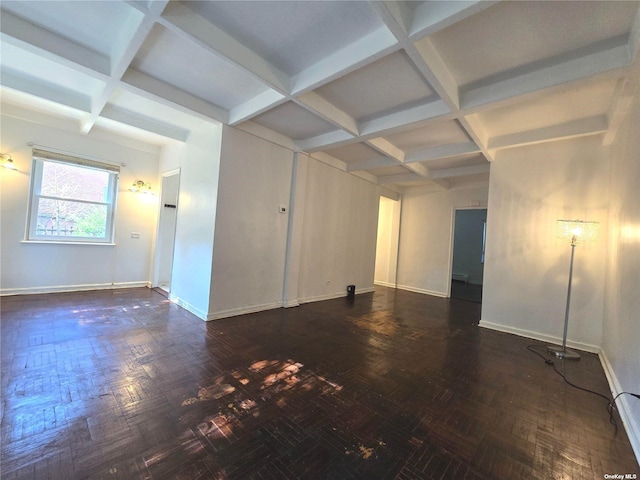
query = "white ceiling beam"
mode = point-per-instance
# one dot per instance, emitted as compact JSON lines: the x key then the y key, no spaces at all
{"x":329,"y":160}
{"x":331,"y":139}
{"x":120,"y":62}
{"x":144,"y":123}
{"x":577,"y":128}
{"x":604,"y":57}
{"x":387,"y":148}
{"x":431,"y":17}
{"x":369,"y":177}
{"x":459,"y":171}
{"x":475,"y":129}
{"x":267,"y":134}
{"x":442,"y":151}
{"x":365,"y":50}
{"x":367,"y":163}
{"x":387,"y":123}
{"x":395,"y":15}
{"x":329,"y":112}
{"x":52,"y":93}
{"x":426,"y":174}
{"x":259,"y":104}
{"x":38,"y":41}
{"x":399,"y":178}
{"x":158,"y":91}
{"x":186,"y":23}
{"x":434,"y":70}
{"x":620,"y":104}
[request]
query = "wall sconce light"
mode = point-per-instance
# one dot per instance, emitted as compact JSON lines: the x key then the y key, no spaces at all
{"x":141,"y":187}
{"x":577,"y":231}
{"x":7,"y":162}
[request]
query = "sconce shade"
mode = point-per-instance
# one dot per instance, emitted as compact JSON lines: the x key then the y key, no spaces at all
{"x":578,"y":231}
{"x":7,"y":162}
{"x":141,"y":187}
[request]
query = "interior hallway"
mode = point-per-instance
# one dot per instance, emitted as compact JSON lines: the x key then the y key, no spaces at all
{"x":393,"y":384}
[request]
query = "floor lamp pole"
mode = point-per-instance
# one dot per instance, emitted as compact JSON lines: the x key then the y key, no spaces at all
{"x":564,"y":352}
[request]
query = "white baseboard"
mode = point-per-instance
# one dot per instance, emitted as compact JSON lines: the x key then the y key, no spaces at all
{"x":422,"y":290}
{"x":385,"y":284}
{"x":631,"y":424}
{"x":234,"y":312}
{"x":72,"y":288}
{"x":538,"y":336}
{"x":331,"y":296}
{"x":188,"y":307}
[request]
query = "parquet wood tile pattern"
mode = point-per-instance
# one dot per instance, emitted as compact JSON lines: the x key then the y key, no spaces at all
{"x":390,"y":385}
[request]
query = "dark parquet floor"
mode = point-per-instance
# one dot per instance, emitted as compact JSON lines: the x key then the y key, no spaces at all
{"x":125,"y":385}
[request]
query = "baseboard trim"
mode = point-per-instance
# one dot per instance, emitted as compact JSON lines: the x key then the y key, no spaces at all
{"x":234,"y":312}
{"x":422,"y":290}
{"x":586,"y":347}
{"x":202,"y":315}
{"x":631,"y":425}
{"x":72,"y":288}
{"x":331,"y":296}
{"x":385,"y":284}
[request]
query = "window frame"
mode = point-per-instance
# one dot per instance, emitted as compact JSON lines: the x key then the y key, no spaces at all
{"x":39,"y":158}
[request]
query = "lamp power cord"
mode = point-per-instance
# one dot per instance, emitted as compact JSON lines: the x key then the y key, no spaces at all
{"x":611,"y":402}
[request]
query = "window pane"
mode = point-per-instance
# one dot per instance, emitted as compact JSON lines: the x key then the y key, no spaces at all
{"x":60,"y":218}
{"x":71,"y":181}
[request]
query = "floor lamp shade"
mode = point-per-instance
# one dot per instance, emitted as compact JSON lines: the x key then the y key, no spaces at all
{"x":576,"y":231}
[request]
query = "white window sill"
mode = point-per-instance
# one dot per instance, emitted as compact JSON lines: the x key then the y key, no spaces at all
{"x":57,"y":242}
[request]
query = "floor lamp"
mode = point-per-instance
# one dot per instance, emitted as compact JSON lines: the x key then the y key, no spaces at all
{"x":578,"y":231}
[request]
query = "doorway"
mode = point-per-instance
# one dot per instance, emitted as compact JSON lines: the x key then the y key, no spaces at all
{"x":167,"y":229}
{"x":388,"y":236}
{"x":467,"y":264}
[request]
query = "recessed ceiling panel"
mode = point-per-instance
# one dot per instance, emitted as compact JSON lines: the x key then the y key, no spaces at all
{"x":142,"y":106}
{"x":291,"y":35}
{"x":193,"y":69}
{"x":386,"y":171}
{"x":434,"y":135}
{"x":33,"y":68}
{"x":514,"y":34}
{"x":294,"y":122}
{"x":557,"y":108}
{"x":353,"y":152}
{"x":385,"y":86}
{"x":102,"y":26}
{"x":466,"y":161}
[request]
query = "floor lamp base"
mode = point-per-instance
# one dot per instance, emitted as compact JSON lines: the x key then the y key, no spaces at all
{"x":566,"y":353}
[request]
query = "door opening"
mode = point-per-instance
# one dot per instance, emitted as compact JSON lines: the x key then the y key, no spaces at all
{"x":467,"y":265}
{"x":167,"y":229}
{"x":387,"y":242}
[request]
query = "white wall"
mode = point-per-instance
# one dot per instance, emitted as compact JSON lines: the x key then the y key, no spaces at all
{"x":36,"y":267}
{"x":424,"y":263}
{"x":199,"y":163}
{"x":251,"y":235}
{"x":339,"y":235}
{"x":621,"y":326}
{"x":527,"y":267}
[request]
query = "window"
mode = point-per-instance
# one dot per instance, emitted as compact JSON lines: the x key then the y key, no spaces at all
{"x":72,"y":199}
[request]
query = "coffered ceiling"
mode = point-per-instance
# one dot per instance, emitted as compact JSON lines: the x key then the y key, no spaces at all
{"x":401,"y":93}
